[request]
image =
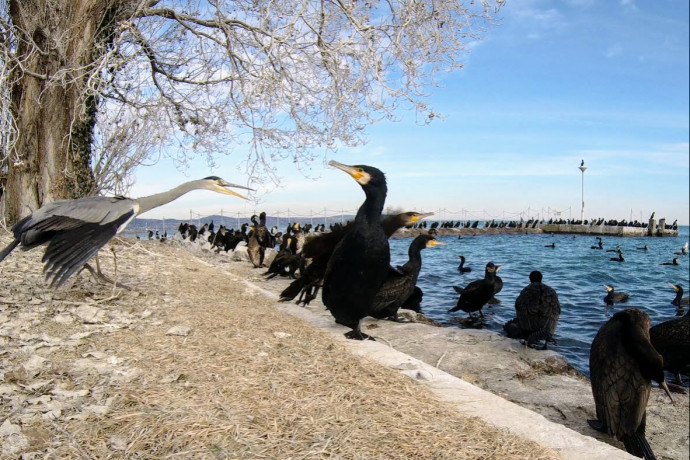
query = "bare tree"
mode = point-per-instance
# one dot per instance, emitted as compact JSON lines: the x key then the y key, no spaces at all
{"x":89,"y":89}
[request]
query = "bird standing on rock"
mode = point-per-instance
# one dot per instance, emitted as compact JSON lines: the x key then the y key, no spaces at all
{"x":75,"y":230}
{"x":475,"y":295}
{"x":537,"y":311}
{"x":359,"y":264}
{"x":622,"y":364}
{"x":401,"y":281}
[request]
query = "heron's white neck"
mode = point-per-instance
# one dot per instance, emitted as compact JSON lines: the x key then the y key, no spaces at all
{"x":147,"y":203}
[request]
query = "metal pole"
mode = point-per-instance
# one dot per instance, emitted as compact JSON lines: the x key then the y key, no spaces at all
{"x":583,"y":168}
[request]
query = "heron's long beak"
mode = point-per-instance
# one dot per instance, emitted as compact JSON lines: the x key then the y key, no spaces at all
{"x":227,"y":191}
{"x":356,"y":173}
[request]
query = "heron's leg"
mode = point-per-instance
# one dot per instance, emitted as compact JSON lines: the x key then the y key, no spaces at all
{"x":101,"y":277}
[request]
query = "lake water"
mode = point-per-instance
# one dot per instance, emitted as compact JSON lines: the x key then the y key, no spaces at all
{"x":575,"y":271}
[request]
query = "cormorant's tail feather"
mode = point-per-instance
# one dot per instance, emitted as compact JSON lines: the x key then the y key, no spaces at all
{"x":5,"y":252}
{"x":636,"y":444}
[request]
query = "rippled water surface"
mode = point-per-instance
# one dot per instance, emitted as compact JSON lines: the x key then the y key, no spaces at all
{"x":575,"y":271}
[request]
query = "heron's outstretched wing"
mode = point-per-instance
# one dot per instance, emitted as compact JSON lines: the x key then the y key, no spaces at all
{"x":68,"y":251}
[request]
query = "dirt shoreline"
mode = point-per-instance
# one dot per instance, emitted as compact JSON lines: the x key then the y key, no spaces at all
{"x":190,"y":364}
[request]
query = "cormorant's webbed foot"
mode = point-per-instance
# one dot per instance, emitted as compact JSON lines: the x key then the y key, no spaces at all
{"x":356,"y":334}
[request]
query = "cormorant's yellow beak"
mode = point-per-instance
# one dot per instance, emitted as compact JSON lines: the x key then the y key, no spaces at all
{"x":673,"y":286}
{"x":357,"y":174}
{"x":432,"y":243}
{"x":608,"y":288}
{"x":419,"y":216}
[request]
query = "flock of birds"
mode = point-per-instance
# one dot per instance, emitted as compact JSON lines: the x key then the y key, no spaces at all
{"x":350,"y":265}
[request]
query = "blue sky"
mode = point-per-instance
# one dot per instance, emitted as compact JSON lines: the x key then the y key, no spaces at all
{"x":551,"y":84}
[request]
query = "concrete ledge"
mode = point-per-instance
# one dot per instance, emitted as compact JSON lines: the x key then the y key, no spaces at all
{"x":463,"y":396}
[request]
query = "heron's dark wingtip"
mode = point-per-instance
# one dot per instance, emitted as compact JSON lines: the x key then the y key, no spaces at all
{"x":10,"y":247}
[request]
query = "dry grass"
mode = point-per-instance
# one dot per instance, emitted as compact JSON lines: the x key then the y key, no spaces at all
{"x":236,"y":379}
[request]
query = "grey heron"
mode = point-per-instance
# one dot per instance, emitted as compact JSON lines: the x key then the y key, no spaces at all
{"x":75,"y":230}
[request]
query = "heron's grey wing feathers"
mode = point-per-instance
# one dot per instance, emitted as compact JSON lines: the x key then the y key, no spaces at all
{"x":95,"y":209}
{"x":67,"y":252}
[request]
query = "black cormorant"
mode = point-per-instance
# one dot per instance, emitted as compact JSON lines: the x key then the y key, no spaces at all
{"x":401,"y":281}
{"x":600,"y":244}
{"x":644,"y":248}
{"x":620,"y":257}
{"x":552,"y":245}
{"x":359,"y":264}
{"x":673,"y":262}
{"x":476,"y":294}
{"x":683,"y":250}
{"x":318,"y":248}
{"x":614,"y":297}
{"x":461,"y":267}
{"x":537,"y":311}
{"x":622,"y":363}
{"x":617,"y":249}
{"x":498,"y":286}
{"x":672,"y":340}
{"x":679,"y":300}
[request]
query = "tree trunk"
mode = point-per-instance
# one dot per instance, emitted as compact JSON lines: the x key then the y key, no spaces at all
{"x":57,"y":45}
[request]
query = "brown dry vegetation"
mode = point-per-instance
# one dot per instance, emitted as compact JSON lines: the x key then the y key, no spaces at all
{"x":192,"y":364}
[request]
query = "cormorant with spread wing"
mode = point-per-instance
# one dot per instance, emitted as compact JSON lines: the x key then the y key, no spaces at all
{"x":319,"y":247}
{"x":401,"y":281}
{"x":475,"y":295}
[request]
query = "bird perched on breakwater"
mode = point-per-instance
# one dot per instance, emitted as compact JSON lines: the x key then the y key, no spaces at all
{"x":679,"y":300}
{"x":359,"y":264}
{"x":537,"y":311}
{"x":75,"y":230}
{"x":614,"y":297}
{"x":672,"y":340}
{"x":476,"y":294}
{"x":622,"y":364}
{"x":461,"y":267}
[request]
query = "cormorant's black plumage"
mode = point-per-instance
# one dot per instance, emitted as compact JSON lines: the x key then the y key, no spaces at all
{"x":359,"y":264}
{"x":672,"y":340}
{"x":537,"y":311}
{"x":622,"y":364}
{"x":614,"y":297}
{"x":476,"y":294}
{"x":400,"y":283}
